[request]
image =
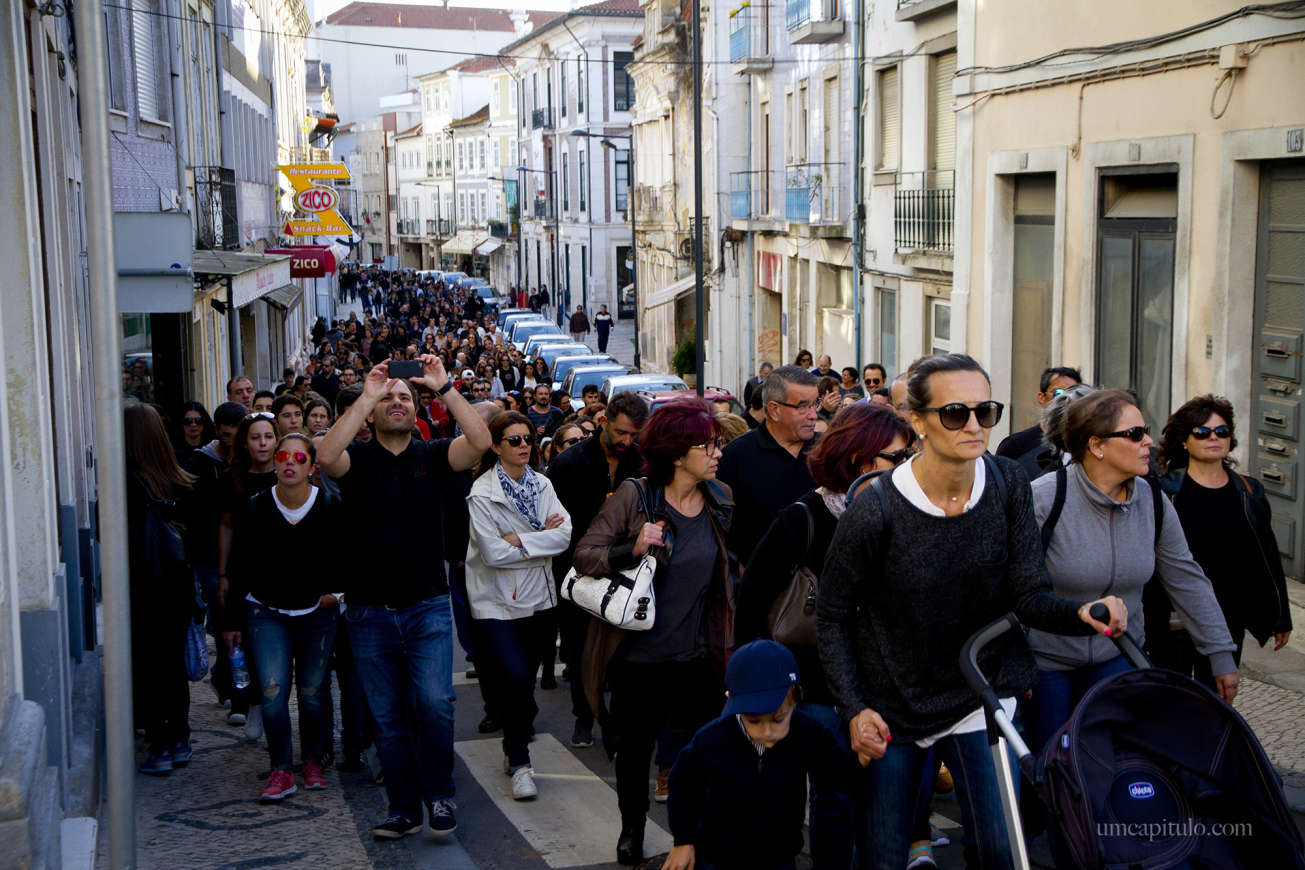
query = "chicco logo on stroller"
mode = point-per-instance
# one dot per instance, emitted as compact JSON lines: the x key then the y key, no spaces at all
{"x":1141,"y":790}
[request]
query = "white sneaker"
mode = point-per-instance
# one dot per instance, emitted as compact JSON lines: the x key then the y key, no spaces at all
{"x":523,"y":785}
{"x":254,"y":724}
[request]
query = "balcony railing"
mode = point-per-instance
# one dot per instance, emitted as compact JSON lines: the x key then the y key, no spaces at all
{"x":811,"y":21}
{"x":752,"y":194}
{"x":541,"y":119}
{"x":924,"y":211}
{"x":500,"y":229}
{"x":797,"y":13}
{"x":409,"y":227}
{"x":542,"y":207}
{"x":686,"y":241}
{"x":811,"y":194}
{"x":750,"y":39}
{"x":430,"y":168}
{"x":216,"y":225}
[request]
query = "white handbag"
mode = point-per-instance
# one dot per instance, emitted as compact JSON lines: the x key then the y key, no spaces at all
{"x":623,"y":598}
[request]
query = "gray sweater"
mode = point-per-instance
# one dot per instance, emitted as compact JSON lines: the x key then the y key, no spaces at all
{"x":1103,"y":548}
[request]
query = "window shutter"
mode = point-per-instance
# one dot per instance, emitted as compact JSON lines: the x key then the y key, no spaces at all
{"x":944,"y":119}
{"x":888,"y":119}
{"x":146,"y":50}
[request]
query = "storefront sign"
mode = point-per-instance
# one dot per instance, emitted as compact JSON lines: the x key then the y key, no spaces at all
{"x":308,"y":261}
{"x":320,"y":202}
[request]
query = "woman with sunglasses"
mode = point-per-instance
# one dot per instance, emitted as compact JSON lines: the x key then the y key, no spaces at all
{"x":1227,"y":520}
{"x":671,"y":675}
{"x":291,"y":615}
{"x":1105,"y":538}
{"x":925,"y":556}
{"x":517,"y":526}
{"x":863,"y":438}
{"x":196,"y":431}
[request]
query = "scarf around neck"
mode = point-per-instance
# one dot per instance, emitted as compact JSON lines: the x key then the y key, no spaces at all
{"x":524,"y":496}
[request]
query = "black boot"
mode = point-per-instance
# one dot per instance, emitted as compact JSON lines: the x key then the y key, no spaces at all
{"x":629,"y":846}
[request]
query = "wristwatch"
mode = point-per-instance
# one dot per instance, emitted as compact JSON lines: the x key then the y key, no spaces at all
{"x":448,"y":385}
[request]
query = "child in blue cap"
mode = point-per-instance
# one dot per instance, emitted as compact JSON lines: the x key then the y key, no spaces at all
{"x":738,"y":790}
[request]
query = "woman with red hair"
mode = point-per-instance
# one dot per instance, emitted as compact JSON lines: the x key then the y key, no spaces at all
{"x":673,"y":673}
{"x":860,"y":439}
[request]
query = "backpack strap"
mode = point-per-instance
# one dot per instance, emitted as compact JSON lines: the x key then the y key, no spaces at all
{"x":1057,"y":505}
{"x":998,"y":479}
{"x":1157,"y":503}
{"x":811,"y":532}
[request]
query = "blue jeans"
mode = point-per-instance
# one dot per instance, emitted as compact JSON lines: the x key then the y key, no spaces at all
{"x":274,"y":641}
{"x":405,"y":663}
{"x":1058,"y":693}
{"x":886,"y":802}
{"x":510,"y":652}
{"x":831,"y":816}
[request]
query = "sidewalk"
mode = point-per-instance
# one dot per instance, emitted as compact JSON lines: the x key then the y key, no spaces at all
{"x":620,"y":343}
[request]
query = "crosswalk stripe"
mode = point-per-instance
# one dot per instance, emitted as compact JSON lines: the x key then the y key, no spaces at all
{"x":575,"y":820}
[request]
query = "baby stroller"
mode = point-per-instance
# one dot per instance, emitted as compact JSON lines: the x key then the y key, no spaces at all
{"x":1151,"y":770}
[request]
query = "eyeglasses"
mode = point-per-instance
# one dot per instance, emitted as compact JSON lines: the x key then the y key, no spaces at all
{"x":192,"y":421}
{"x":873,"y":382}
{"x":1200,"y":433}
{"x":300,"y":457}
{"x":896,"y":457}
{"x":800,"y":407}
{"x":516,"y":440}
{"x":1132,"y":433}
{"x":717,"y":444}
{"x":954,"y":415}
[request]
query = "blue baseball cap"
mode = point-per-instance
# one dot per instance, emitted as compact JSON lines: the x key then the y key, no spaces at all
{"x":758,"y":678}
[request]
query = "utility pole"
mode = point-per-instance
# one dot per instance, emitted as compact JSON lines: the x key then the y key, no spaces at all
{"x":699,"y":347}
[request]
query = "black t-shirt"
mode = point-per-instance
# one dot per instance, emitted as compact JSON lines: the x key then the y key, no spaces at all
{"x":680,"y":592}
{"x":398,"y":504}
{"x":235,"y":500}
{"x":1221,"y":540}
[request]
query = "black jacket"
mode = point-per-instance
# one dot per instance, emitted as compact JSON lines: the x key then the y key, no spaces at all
{"x":739,"y":809}
{"x":579,"y":477}
{"x":1267,"y":609}
{"x":763,"y":477}
{"x":780,"y":552}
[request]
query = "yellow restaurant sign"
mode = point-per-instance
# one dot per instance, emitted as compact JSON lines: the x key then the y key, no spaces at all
{"x":320,"y":202}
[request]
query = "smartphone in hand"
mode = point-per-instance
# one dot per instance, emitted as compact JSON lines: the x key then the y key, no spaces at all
{"x":405,"y":368}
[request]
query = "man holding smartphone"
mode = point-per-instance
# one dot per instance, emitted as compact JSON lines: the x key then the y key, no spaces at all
{"x":399,"y":620}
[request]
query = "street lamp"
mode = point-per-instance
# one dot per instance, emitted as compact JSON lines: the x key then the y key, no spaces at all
{"x":605,"y":141}
{"x":557,"y":291}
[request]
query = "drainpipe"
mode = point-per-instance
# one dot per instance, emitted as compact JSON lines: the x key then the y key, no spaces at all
{"x":180,"y":129}
{"x":111,"y":482}
{"x":857,"y":208}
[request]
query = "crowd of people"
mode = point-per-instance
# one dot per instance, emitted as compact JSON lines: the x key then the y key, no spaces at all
{"x":476,"y":490}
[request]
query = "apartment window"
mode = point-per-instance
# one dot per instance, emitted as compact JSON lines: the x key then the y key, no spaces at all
{"x":943,"y":145}
{"x":622,"y":83}
{"x":481,"y":149}
{"x":462,"y":208}
{"x":150,"y":53}
{"x":888,"y":327}
{"x":566,"y":184}
{"x":888,"y":118}
{"x":579,"y":85}
{"x":829,"y":122}
{"x":534,"y":90}
{"x":803,"y":125}
{"x":494,"y":99}
{"x":548,"y":86}
{"x":561,"y":81}
{"x":583,"y":179}
{"x":789,"y":127}
{"x":498,"y":155}
{"x":1033,"y":253}
{"x":117,"y":62}
{"x":622,"y":180}
{"x":484,"y":210}
{"x":940,"y":326}
{"x":400,"y":58}
{"x":460,"y":155}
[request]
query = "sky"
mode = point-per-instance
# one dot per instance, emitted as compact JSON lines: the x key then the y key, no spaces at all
{"x":319,"y":9}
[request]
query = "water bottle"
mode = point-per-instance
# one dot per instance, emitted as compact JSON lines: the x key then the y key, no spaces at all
{"x":239,"y":673}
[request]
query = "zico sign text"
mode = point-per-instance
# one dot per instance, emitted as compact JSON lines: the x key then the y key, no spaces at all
{"x":320,"y":202}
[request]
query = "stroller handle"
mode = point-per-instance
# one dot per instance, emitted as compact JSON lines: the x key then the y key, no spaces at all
{"x":1123,"y":642}
{"x":970,"y":659}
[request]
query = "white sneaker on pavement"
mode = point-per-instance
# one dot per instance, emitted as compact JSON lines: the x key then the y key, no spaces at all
{"x":523,"y":785}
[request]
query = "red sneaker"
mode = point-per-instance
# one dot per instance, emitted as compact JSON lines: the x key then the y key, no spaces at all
{"x":279,"y":785}
{"x":313,"y":776}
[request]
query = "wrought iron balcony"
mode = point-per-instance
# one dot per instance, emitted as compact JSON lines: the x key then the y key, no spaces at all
{"x":543,"y":207}
{"x":750,"y":40}
{"x":812,"y":195}
{"x":752,"y":194}
{"x":542,"y":119}
{"x":216,"y":224}
{"x":924,"y":211}
{"x":811,"y":21}
{"x":500,"y":229}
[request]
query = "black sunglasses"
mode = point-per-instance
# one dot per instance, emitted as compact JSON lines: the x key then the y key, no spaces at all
{"x":897,"y":457}
{"x":954,"y":415}
{"x":1132,"y":433}
{"x":515,"y":440}
{"x":198,"y":421}
{"x":1200,"y":433}
{"x":873,"y":382}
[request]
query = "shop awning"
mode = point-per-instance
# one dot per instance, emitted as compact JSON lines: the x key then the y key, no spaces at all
{"x":312,"y":261}
{"x":464,"y":242}
{"x":285,"y":298}
{"x":153,"y":253}
{"x":489,"y":247}
{"x":252,"y":275}
{"x":669,"y":293}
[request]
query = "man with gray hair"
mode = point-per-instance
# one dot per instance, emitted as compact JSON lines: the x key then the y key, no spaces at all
{"x":767,"y":467}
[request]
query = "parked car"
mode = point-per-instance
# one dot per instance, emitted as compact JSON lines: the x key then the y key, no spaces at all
{"x":504,"y":313}
{"x":535,"y":342}
{"x":648,"y":382}
{"x":564,"y":364}
{"x":550,"y":353}
{"x":657,"y":398}
{"x":521,"y":332}
{"x":513,"y":319}
{"x":581,"y":376}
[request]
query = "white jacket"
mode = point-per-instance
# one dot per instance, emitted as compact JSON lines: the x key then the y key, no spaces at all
{"x":502,"y":581}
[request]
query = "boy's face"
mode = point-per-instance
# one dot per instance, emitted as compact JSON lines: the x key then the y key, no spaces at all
{"x":770,"y":728}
